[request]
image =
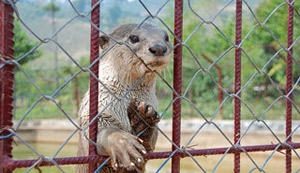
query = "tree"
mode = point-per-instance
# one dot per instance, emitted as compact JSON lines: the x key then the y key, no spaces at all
{"x":260,"y":46}
{"x":24,"y":44}
{"x":52,"y":7}
{"x":278,"y":26}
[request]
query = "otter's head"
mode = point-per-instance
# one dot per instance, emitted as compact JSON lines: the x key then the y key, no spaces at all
{"x":150,"y":43}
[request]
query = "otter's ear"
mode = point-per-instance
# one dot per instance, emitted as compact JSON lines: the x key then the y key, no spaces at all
{"x":103,"y":41}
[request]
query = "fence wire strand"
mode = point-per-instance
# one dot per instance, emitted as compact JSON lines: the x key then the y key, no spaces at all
{"x":179,"y":151}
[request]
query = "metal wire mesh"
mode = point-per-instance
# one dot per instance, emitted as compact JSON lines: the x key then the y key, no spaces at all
{"x":178,"y":150}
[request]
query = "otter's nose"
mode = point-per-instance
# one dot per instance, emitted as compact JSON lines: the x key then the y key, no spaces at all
{"x":158,"y":50}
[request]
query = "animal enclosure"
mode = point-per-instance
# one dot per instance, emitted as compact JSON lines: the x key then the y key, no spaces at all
{"x":8,"y":63}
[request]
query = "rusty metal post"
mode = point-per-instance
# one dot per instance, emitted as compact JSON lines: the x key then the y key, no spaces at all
{"x":289,"y":85}
{"x":95,"y":17}
{"x":237,"y":83}
{"x":178,"y":13}
{"x":6,"y":82}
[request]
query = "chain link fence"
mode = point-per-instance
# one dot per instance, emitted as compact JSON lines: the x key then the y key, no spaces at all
{"x":8,"y":9}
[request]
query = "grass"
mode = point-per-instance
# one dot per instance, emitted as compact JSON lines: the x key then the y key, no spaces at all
{"x":258,"y":107}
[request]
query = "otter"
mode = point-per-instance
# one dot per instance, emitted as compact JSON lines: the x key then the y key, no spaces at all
{"x":119,"y":69}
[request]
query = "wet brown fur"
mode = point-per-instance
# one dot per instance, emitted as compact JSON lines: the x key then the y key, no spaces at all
{"x":119,"y":70}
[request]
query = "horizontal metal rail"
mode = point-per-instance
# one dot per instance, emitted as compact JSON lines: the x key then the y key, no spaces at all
{"x":12,"y":164}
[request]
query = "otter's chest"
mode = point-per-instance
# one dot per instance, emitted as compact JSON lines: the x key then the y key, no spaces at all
{"x":115,"y":101}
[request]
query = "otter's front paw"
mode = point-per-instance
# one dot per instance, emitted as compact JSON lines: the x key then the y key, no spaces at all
{"x":142,"y":115}
{"x":124,"y":149}
{"x":143,"y":119}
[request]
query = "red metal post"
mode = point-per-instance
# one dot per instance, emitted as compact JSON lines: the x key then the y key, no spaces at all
{"x":237,"y":87}
{"x":177,"y":82}
{"x":95,"y":17}
{"x":289,"y":85}
{"x":6,"y":82}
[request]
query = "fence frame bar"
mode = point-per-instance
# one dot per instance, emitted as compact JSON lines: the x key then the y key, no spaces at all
{"x":94,"y":53}
{"x":6,"y":82}
{"x":12,"y":164}
{"x":289,"y":85}
{"x":177,"y":82}
{"x":237,"y":82}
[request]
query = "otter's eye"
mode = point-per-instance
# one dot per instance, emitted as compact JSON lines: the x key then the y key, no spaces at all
{"x":167,"y":38}
{"x":134,"y":39}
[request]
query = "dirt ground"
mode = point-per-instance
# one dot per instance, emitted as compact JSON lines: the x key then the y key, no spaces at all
{"x":46,"y":141}
{"x":276,"y":163}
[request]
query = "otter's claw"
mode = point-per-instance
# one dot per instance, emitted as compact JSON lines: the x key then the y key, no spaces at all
{"x":143,"y":119}
{"x":123,"y":148}
{"x":146,"y":113}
